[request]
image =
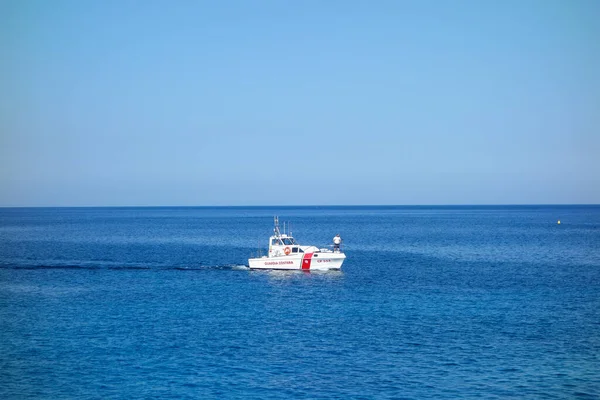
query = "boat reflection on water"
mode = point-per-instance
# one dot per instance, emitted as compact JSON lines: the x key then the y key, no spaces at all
{"x":300,"y":275}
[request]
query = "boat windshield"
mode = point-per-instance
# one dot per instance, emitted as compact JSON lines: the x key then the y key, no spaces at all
{"x":288,"y":241}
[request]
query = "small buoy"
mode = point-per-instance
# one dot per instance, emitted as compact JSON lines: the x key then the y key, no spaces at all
{"x":559,"y":221}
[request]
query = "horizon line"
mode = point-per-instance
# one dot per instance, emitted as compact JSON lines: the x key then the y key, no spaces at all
{"x":316,"y":205}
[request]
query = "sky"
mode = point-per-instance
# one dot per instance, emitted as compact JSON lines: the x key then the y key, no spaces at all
{"x":242,"y":103}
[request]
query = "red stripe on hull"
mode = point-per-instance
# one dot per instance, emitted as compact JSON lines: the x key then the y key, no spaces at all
{"x":306,"y":260}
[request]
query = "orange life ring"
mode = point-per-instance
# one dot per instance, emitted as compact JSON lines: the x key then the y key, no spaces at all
{"x":287,"y":251}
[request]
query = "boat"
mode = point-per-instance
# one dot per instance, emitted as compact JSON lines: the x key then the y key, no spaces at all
{"x":285,"y":253}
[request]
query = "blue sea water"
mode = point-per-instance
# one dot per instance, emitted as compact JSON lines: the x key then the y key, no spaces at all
{"x":432,"y":302}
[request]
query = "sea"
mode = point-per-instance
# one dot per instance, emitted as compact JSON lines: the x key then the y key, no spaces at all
{"x":432,"y":302}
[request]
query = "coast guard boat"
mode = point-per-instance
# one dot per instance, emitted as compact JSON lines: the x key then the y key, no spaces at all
{"x":286,"y":253}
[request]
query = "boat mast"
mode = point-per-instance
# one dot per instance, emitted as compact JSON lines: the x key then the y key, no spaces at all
{"x":276,"y":230}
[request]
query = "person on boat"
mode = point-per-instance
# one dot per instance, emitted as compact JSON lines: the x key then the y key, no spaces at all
{"x":337,"y":241}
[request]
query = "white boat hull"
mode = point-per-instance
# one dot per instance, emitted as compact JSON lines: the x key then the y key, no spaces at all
{"x":303,"y":261}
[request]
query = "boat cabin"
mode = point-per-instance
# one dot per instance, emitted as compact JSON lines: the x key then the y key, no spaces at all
{"x":283,"y":245}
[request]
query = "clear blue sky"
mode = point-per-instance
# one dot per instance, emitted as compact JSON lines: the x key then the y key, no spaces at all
{"x":291,"y":103}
